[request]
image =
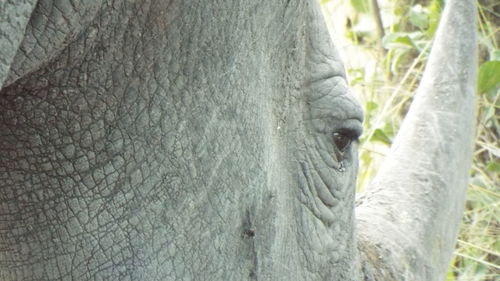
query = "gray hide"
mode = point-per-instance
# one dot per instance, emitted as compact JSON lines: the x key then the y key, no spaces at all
{"x":216,"y":140}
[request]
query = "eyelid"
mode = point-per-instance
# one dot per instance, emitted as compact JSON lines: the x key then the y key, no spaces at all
{"x":351,"y":128}
{"x":352,"y":134}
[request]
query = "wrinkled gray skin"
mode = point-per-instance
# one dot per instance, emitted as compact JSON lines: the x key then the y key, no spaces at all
{"x":185,"y":140}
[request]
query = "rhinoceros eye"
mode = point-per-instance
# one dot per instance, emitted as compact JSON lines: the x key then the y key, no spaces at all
{"x":342,"y":141}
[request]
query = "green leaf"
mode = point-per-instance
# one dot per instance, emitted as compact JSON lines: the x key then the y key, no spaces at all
{"x":389,"y":130}
{"x":361,"y":6}
{"x":493,"y":167}
{"x":488,"y":76}
{"x":397,"y":40}
{"x":405,"y":40}
{"x":371,"y":106}
{"x":380,"y":136}
{"x":435,"y":8}
{"x":419,"y":17}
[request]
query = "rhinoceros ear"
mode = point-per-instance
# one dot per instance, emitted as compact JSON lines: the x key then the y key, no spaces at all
{"x":14,"y":17}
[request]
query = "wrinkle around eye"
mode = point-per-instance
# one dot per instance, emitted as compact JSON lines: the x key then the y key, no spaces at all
{"x":331,"y":98}
{"x":325,"y":87}
{"x":331,"y":74}
{"x":341,"y":107}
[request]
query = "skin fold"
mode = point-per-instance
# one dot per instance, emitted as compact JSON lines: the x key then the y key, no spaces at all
{"x":215,"y":140}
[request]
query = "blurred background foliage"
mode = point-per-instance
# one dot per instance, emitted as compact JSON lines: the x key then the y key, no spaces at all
{"x":386,"y":44}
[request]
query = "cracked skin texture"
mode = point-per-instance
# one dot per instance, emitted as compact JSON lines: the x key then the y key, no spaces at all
{"x":144,"y":140}
{"x":181,"y":140}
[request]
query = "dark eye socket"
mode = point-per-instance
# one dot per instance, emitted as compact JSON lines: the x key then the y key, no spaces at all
{"x":342,"y":141}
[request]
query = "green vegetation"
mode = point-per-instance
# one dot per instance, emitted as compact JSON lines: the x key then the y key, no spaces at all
{"x":384,"y":77}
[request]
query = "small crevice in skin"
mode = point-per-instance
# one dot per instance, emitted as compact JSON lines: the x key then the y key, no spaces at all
{"x":248,"y":234}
